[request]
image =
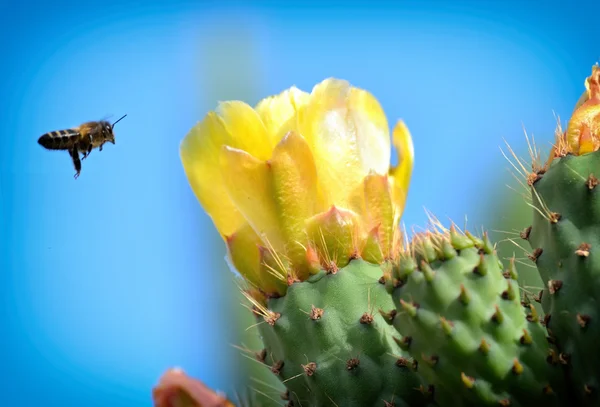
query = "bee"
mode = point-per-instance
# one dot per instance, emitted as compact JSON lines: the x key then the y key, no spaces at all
{"x":82,"y":139}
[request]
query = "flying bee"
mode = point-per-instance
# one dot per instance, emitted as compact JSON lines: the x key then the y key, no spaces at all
{"x":82,"y":139}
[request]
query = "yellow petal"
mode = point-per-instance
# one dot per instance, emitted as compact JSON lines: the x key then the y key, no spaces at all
{"x":199,"y":153}
{"x":296,"y":192}
{"x":250,"y":187}
{"x":586,"y":141}
{"x":401,"y":174}
{"x":380,"y":210}
{"x":247,"y":130}
{"x":349,"y":135}
{"x":256,"y":263}
{"x":373,"y":134}
{"x":278,"y":113}
{"x":244,"y":253}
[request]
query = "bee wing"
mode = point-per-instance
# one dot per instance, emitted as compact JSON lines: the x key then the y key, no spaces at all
{"x":89,"y":127}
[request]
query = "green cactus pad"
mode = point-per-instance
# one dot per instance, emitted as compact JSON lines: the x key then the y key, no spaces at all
{"x":461,"y":317}
{"x":330,"y":345}
{"x":565,"y":240}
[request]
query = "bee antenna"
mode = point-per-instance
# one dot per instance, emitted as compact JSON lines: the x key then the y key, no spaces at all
{"x":113,"y":125}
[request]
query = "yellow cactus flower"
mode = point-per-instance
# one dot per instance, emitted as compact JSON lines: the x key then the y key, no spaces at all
{"x":583,"y":129}
{"x":300,"y":182}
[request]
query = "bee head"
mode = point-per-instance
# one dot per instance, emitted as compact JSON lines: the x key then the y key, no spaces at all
{"x":108,"y":130}
{"x":108,"y":133}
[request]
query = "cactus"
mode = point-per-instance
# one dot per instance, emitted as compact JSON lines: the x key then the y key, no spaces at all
{"x":329,"y":344}
{"x":301,"y":189}
{"x":563,"y":237}
{"x":460,"y":315}
{"x":353,"y":312}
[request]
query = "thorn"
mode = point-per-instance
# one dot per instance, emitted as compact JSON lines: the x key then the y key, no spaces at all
{"x":583,"y":250}
{"x":272,"y":317}
{"x":448,"y":251}
{"x":285,"y":395}
{"x":533,"y":315}
{"x":310,"y":368}
{"x":410,"y":309}
{"x":261,"y":356}
{"x":592,"y":182}
{"x":526,"y":338}
{"x":476,"y":241}
{"x":382,"y":280}
{"x":427,"y":271}
{"x":511,"y":273}
{"x":467,"y":381}
{"x":535,"y":255}
{"x":564,"y":358}
{"x":554,"y":286}
{"x":525,"y":233}
{"x":402,"y":362}
{"x":538,"y":298}
{"x":555,"y":217}
{"x":352,"y":364}
{"x":403,"y":343}
{"x":458,"y":241}
{"x":546,"y":320}
{"x":533,"y":177}
{"x":366,"y":319}
{"x":517,"y":368}
{"x":484,"y":347}
{"x":316,"y":313}
{"x":488,"y":247}
{"x":583,"y":320}
{"x":388,"y":316}
{"x":446,"y":326}
{"x":277,"y":366}
{"x":481,"y":269}
{"x":505,"y":403}
{"x":588,"y":390}
{"x":464,"y":297}
{"x":498,"y":317}
{"x":552,"y":358}
{"x":509,"y":293}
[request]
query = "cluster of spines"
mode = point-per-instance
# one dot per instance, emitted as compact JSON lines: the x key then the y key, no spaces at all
{"x":556,"y":276}
{"x":421,"y":257}
{"x":372,"y":318}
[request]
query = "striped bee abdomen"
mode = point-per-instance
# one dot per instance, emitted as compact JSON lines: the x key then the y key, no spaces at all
{"x":59,"y":139}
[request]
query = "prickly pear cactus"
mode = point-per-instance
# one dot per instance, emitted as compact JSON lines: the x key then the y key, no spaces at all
{"x":301,"y":190}
{"x":565,"y":239}
{"x":302,"y":193}
{"x":329,"y":343}
{"x":460,"y":315}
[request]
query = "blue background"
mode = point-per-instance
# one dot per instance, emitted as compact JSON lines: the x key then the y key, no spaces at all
{"x":108,"y":280}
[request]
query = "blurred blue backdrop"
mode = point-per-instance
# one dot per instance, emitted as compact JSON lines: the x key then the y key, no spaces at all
{"x":108,"y":280}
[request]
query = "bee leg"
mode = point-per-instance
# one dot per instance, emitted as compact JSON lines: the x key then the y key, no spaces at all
{"x":87,"y":152}
{"x":74,"y":153}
